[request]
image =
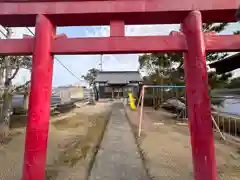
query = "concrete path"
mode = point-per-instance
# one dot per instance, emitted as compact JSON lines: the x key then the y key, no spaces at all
{"x":118,"y":157}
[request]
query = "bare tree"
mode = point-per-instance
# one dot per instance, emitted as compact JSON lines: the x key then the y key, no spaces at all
{"x":9,"y":68}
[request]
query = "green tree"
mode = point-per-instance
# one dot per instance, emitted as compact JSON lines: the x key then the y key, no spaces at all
{"x":234,"y":83}
{"x":237,"y":32}
{"x":90,"y":77}
{"x":218,"y":81}
{"x":168,"y":68}
{"x":163,"y":68}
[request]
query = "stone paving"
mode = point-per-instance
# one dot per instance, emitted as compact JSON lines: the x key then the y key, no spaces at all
{"x":118,"y":157}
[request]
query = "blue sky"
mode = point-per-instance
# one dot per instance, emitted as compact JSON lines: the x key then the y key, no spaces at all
{"x":79,"y":64}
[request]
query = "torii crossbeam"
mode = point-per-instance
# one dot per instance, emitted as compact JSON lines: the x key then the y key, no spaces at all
{"x":47,"y":15}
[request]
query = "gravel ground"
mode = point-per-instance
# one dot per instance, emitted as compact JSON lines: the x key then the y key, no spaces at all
{"x":12,"y":153}
{"x":167,"y":150}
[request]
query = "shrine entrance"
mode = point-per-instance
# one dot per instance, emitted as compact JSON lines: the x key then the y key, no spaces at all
{"x":46,"y":16}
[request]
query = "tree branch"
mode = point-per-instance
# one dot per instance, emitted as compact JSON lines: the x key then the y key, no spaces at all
{"x":21,"y":86}
{"x":14,"y":74}
{"x":236,"y":32}
{"x":180,"y":65}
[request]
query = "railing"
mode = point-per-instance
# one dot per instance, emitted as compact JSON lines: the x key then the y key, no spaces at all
{"x":228,"y":125}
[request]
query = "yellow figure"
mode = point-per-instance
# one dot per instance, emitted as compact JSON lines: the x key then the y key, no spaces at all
{"x":131,"y":101}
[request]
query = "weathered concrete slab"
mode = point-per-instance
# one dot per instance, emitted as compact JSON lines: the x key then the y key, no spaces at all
{"x":118,"y":157}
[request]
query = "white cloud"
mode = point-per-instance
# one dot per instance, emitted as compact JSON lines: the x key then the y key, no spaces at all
{"x":79,"y":64}
{"x":22,"y":77}
{"x":150,"y":30}
{"x":129,"y":61}
{"x":103,"y":31}
{"x":20,"y":31}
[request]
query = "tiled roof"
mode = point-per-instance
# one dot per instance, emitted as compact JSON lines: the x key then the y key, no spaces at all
{"x":118,"y":77}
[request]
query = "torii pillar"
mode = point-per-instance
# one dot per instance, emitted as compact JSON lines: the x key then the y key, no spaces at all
{"x":199,"y":107}
{"x":39,"y":102}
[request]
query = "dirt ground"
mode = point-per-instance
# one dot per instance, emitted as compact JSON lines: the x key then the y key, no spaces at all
{"x":166,"y":149}
{"x":73,"y":138}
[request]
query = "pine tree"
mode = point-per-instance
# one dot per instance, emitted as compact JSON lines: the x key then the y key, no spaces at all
{"x":168,"y":68}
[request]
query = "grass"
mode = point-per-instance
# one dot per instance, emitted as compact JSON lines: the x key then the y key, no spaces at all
{"x":70,"y":122}
{"x":82,"y":147}
{"x":51,"y":173}
{"x":11,"y":135}
{"x":19,"y":118}
{"x":75,"y":152}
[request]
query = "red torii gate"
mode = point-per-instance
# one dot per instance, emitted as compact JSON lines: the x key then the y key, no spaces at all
{"x":45,"y":15}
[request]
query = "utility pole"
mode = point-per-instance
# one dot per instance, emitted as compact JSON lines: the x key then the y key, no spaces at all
{"x":101,"y":62}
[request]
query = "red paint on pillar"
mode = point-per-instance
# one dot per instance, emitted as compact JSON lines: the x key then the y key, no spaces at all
{"x":199,"y":107}
{"x":117,"y":28}
{"x":39,"y":102}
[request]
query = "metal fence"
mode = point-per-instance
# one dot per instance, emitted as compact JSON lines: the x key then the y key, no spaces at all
{"x":227,"y":124}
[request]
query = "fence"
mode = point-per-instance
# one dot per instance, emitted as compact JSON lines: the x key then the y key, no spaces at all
{"x":88,"y":93}
{"x":227,"y":124}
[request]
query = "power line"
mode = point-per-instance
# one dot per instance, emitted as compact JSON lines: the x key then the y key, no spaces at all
{"x":116,"y":58}
{"x":68,"y":69}
{"x":30,"y":31}
{"x":54,"y":57}
{"x":102,"y":60}
{"x":3,"y":33}
{"x":101,"y":57}
{"x":58,"y":60}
